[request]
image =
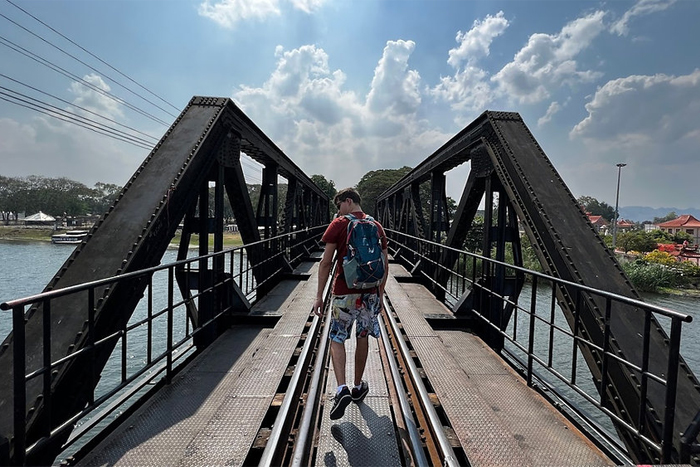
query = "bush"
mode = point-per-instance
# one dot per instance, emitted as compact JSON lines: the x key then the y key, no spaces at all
{"x":660,"y":257}
{"x":650,"y":277}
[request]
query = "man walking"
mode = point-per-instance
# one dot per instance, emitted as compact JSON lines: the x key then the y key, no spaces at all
{"x":349,"y":305}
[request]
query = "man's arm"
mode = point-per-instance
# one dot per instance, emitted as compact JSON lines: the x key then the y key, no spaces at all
{"x":324,"y":269}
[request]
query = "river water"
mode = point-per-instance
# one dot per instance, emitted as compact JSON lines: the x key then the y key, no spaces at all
{"x":26,"y":268}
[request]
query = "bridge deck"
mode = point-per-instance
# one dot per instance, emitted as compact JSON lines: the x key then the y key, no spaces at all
{"x":210,"y":413}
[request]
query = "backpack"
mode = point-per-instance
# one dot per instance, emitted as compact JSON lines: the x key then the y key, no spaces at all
{"x":363,"y":265}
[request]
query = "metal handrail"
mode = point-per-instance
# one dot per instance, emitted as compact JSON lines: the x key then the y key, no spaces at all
{"x":165,"y":362}
{"x":421,"y":254}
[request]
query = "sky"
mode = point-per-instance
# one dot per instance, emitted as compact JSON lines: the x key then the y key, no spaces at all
{"x":344,"y":87}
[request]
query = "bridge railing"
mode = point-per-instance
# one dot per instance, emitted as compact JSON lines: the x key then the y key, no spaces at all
{"x":541,"y":345}
{"x":156,"y":342}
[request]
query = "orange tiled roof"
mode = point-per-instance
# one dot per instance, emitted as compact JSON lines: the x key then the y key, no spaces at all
{"x":597,"y":220}
{"x":686,"y":220}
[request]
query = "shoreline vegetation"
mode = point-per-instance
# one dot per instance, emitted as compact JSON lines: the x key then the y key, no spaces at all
{"x":39,"y":234}
{"x":231,"y":239}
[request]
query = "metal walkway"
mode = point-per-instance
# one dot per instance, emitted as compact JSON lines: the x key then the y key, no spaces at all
{"x":210,"y":413}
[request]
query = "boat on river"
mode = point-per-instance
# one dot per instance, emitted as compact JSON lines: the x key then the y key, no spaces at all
{"x":69,"y":237}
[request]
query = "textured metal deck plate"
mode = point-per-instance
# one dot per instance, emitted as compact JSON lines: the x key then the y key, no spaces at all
{"x":211,"y":412}
{"x":365,"y":435}
{"x":497,"y":418}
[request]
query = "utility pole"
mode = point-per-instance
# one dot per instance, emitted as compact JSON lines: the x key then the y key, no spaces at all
{"x":617,"y":199}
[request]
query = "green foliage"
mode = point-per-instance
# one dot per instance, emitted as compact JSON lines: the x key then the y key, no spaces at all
{"x":660,"y":236}
{"x":54,"y":196}
{"x":475,"y":236}
{"x":596,"y":208}
{"x":254,"y":193}
{"x":659,"y":269}
{"x":650,"y":277}
{"x":680,"y":237}
{"x":530,"y":259}
{"x":660,"y":257}
{"x":328,"y":187}
{"x":636,"y":240}
{"x":375,"y":182}
{"x":668,"y":217}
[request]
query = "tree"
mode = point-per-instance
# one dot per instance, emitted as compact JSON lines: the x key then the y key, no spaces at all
{"x":103,"y":196}
{"x":328,"y":187}
{"x":55,"y":196}
{"x":596,"y":208}
{"x":637,"y":240}
{"x":374,"y":183}
{"x":668,"y":217}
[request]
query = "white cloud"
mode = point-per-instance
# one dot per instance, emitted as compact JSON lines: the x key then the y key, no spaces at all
{"x":641,"y":8}
{"x":476,"y":42}
{"x":55,"y":148}
{"x":548,"y":62}
{"x":394,"y":86}
{"x":638,"y":111}
{"x":468,"y":89}
{"x":328,"y":130}
{"x":308,"y":6}
{"x":229,"y":12}
{"x":552,"y":110}
{"x":92,"y":99}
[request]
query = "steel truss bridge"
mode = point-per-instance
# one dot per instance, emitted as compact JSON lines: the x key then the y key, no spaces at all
{"x":63,"y":338}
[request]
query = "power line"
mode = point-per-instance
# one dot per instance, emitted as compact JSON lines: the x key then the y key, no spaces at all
{"x":75,"y":105}
{"x":96,"y":57}
{"x":21,"y":50}
{"x":60,"y":114}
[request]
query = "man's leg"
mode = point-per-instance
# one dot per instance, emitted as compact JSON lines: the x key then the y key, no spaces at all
{"x":360,"y":358}
{"x":338,"y":357}
{"x":343,"y":396}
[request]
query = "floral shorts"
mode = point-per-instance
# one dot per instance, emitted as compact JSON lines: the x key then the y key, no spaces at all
{"x":360,"y":308}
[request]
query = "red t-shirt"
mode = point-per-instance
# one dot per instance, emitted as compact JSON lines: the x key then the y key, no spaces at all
{"x":337,"y":232}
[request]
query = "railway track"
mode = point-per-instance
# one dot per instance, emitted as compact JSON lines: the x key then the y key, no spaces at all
{"x":292,"y":428}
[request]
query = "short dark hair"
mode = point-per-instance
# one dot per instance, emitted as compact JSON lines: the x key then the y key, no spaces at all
{"x":346,"y":193}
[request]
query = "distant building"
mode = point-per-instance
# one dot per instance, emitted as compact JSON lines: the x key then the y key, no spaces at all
{"x":599,"y":224}
{"x":39,"y":218}
{"x":685,"y":223}
{"x":624,"y":225}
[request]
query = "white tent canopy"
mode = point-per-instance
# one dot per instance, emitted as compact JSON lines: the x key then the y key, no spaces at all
{"x":39,"y":217}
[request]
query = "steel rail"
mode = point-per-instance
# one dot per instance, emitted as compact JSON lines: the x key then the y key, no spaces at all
{"x":271,"y":448}
{"x":450,"y":459}
{"x":416,"y":444}
{"x":300,"y":451}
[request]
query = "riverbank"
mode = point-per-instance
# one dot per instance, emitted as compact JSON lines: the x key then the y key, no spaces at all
{"x":39,"y":234}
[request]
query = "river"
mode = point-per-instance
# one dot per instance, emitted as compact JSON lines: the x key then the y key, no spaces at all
{"x":28,"y":267}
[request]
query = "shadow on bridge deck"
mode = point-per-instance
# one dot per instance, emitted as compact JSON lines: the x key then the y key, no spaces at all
{"x":211,"y":412}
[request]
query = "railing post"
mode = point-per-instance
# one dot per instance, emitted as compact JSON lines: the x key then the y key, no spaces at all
{"x":671,"y":385}
{"x":531,"y":337}
{"x":604,"y":358}
{"x":91,"y":343}
{"x":46,"y":376}
{"x":169,"y":357}
{"x":20,"y":393}
{"x":641,"y":420}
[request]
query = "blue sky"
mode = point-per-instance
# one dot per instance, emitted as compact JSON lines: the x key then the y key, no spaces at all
{"x":349,"y":86}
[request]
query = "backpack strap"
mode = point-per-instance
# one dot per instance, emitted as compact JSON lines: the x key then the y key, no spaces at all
{"x":350,"y":218}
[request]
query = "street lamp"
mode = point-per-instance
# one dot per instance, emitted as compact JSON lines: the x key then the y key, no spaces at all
{"x":617,"y":198}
